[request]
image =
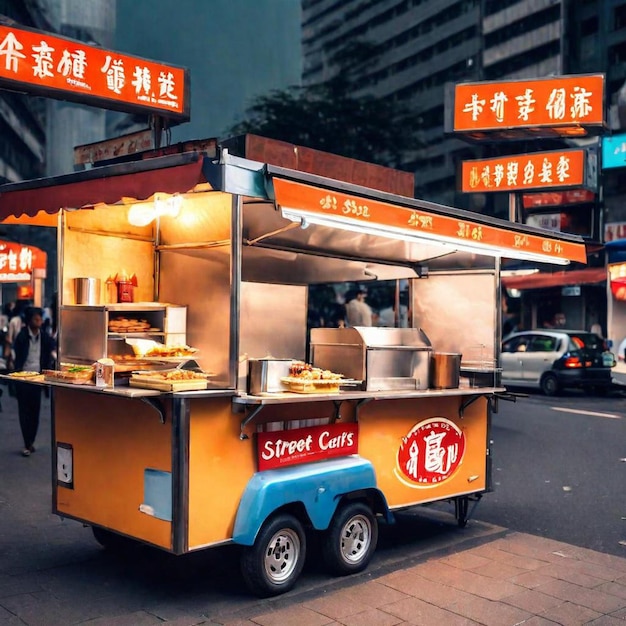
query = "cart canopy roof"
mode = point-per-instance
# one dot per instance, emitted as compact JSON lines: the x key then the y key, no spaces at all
{"x":288,"y":213}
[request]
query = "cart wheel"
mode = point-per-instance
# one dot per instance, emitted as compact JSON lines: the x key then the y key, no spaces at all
{"x":272,"y":565}
{"x":351,"y":539}
{"x":550,"y":385}
{"x":109,"y":540}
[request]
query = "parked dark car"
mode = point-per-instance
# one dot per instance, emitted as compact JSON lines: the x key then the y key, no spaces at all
{"x":551,"y":360}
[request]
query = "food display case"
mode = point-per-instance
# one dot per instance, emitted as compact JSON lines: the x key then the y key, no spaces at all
{"x":89,"y":333}
{"x":383,"y":358}
{"x":235,"y":249}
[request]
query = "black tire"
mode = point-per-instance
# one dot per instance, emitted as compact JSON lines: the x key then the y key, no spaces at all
{"x":109,"y":540}
{"x":350,"y":540}
{"x":550,"y":385}
{"x":273,"y":564}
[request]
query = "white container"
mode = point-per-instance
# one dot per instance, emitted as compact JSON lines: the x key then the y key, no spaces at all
{"x":105,"y":372}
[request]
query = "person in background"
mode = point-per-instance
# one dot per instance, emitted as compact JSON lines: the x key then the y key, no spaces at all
{"x":358,"y":312}
{"x":16,"y":323}
{"x":34,"y":352}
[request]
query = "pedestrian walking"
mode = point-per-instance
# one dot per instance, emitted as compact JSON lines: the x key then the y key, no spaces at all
{"x":34,"y":352}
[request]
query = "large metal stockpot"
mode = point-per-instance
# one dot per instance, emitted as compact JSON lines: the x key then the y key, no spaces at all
{"x":383,"y":358}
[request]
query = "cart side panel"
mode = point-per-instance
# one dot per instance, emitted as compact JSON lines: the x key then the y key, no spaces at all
{"x":383,"y":426}
{"x":113,"y":442}
{"x":220,"y":466}
{"x":443,"y":306}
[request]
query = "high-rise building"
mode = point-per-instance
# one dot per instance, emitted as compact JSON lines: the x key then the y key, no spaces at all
{"x":22,"y":118}
{"x":425,"y":44}
{"x":69,"y":124}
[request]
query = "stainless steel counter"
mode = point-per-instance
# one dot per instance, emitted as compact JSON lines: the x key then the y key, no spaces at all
{"x":290,"y":397}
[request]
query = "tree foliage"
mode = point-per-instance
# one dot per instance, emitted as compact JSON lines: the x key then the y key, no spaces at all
{"x":330,"y":116}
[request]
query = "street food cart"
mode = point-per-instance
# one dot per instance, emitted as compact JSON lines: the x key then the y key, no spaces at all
{"x":267,"y":432}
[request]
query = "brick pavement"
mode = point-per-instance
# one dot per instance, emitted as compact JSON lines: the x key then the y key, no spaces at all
{"x":53,"y":573}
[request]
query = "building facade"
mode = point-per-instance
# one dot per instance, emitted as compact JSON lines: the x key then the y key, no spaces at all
{"x":425,"y":45}
{"x":23,"y":118}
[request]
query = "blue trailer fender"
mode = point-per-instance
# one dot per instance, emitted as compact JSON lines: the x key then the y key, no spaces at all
{"x":316,"y":486}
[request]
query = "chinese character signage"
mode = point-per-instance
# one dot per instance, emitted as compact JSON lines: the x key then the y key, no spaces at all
{"x":539,"y":170}
{"x":40,"y":63}
{"x":17,"y":261}
{"x":567,"y":105}
{"x":344,"y":209}
{"x":614,"y":151}
{"x":303,"y":445}
{"x":557,"y":198}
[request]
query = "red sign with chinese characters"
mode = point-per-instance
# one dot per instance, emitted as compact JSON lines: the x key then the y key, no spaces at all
{"x":45,"y":64}
{"x":565,"y":168}
{"x":17,"y":261}
{"x":302,"y":445}
{"x":430,"y":453}
{"x":356,"y":210}
{"x":557,"y":198}
{"x":568,"y":101}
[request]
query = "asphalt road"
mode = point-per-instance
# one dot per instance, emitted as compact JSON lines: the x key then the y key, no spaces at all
{"x":560,"y":469}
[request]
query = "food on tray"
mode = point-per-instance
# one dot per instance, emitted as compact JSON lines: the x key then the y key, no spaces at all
{"x":170,"y":351}
{"x":24,"y":374}
{"x":172,"y":375}
{"x":152,"y":349}
{"x":73,"y":377}
{"x":76,"y":368}
{"x":304,"y":378}
{"x":130,"y":325}
{"x":305,"y":371}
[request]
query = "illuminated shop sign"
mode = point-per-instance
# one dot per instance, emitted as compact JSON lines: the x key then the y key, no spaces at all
{"x":17,"y":261}
{"x":556,"y":198}
{"x":563,"y":105}
{"x":540,"y":170}
{"x":57,"y":67}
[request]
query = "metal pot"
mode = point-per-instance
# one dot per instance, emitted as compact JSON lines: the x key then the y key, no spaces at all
{"x":445,"y":370}
{"x":86,"y":291}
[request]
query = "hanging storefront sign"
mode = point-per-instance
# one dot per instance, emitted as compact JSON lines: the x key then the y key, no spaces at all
{"x":57,"y":67}
{"x":551,"y":106}
{"x":614,"y":151}
{"x":539,"y":170}
{"x":557,"y":198}
{"x":114,"y":148}
{"x":18,"y":261}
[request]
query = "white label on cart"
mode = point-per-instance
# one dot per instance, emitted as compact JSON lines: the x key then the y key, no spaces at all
{"x":430,"y":453}
{"x":65,"y":465}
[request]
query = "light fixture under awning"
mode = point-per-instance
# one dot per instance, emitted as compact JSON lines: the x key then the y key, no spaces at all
{"x":34,"y":202}
{"x":458,"y":230}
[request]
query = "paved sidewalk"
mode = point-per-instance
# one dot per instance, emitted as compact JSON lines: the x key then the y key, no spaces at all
{"x":53,"y":573}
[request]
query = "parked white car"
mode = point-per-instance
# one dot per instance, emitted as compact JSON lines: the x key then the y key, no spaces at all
{"x":551,"y":360}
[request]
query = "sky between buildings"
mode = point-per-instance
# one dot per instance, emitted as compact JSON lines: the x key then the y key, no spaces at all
{"x":235,"y":50}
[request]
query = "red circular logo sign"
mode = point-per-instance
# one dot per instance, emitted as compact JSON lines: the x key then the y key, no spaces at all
{"x":430,"y":453}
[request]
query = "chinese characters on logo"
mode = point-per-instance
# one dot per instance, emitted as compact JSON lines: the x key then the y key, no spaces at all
{"x":430,"y":453}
